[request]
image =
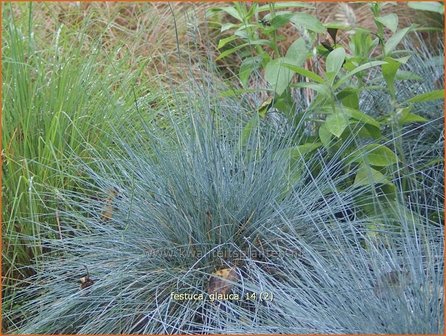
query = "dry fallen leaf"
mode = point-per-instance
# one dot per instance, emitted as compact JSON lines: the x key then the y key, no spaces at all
{"x":86,"y":281}
{"x":222,"y":280}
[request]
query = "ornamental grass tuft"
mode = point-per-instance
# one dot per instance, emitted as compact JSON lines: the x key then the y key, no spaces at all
{"x":216,"y":228}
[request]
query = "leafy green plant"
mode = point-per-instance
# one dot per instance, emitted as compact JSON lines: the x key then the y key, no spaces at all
{"x":430,"y":12}
{"x":257,"y":26}
{"x":371,"y":62}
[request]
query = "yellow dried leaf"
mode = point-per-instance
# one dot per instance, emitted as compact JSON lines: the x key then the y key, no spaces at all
{"x":222,"y":280}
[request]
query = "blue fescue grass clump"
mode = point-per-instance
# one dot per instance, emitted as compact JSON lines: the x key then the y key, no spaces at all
{"x":189,"y":189}
{"x":164,"y":211}
{"x":158,"y":215}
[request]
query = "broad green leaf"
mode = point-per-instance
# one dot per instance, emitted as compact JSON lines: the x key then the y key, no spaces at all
{"x":404,"y":59}
{"x":251,"y":12}
{"x":356,"y":70}
{"x":336,"y":123}
{"x":390,"y":21}
{"x":376,"y":155}
{"x":228,"y":26}
{"x":233,"y":12}
{"x":226,"y":40}
{"x":368,"y":131}
{"x":335,"y":60}
{"x":270,"y":16}
{"x":264,"y":107}
{"x":401,"y":113}
{"x":320,"y":88}
{"x":304,"y":72}
{"x":407,"y":75}
{"x":230,"y":51}
{"x":280,"y":20}
{"x":305,"y":148}
{"x":428,"y":96}
{"x":243,"y":27}
{"x":336,"y":25}
{"x":325,"y":136}
{"x":277,"y":76}
{"x":242,"y":34}
{"x":361,"y":42}
{"x":297,"y":53}
{"x":282,"y":5}
{"x":431,"y":6}
{"x":366,"y":175}
{"x":412,"y":118}
{"x":406,"y":117}
{"x":360,"y":116}
{"x":296,"y":153}
{"x":260,"y":42}
{"x":389,"y":70}
{"x":308,"y":21}
{"x":395,"y":39}
{"x":349,"y":98}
